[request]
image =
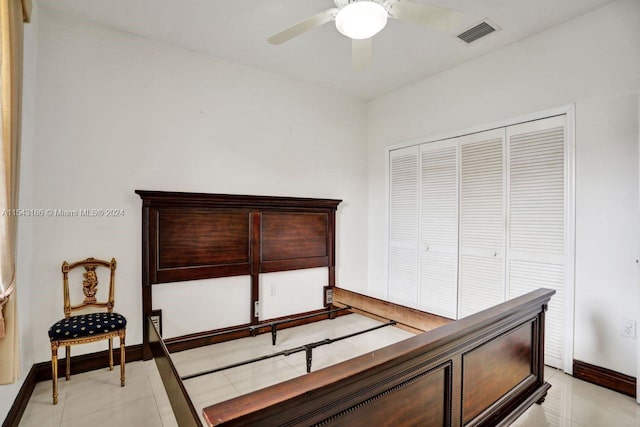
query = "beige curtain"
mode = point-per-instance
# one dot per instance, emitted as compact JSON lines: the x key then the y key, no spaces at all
{"x":12,"y":15}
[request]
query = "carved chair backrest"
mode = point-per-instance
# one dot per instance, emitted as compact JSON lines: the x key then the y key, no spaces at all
{"x":89,"y":284}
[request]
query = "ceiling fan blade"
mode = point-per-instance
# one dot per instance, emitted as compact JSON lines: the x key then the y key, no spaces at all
{"x":361,"y":53}
{"x":440,"y":18}
{"x":302,"y":27}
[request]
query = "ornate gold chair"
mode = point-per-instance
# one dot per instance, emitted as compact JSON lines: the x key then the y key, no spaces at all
{"x":86,"y":328}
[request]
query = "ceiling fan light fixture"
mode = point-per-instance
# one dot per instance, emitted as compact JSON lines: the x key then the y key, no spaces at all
{"x":361,"y":20}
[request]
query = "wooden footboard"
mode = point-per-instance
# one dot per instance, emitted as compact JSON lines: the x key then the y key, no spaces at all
{"x":485,"y":369}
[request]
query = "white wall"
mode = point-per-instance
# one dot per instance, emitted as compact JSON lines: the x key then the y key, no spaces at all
{"x":205,"y":304}
{"x":606,"y":230}
{"x":592,"y":61}
{"x":277,"y":291}
{"x":277,"y":288}
{"x":118,"y":113}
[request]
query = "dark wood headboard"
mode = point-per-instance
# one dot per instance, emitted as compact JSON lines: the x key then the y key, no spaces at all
{"x":191,"y":236}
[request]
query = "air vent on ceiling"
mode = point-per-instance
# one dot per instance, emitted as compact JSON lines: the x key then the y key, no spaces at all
{"x":478,"y":31}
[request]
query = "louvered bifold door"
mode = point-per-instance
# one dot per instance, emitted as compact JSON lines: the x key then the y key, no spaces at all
{"x":537,"y":210}
{"x":438,"y":273}
{"x":403,"y":226}
{"x":482,"y":224}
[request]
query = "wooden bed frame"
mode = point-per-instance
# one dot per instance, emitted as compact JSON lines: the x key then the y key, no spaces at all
{"x":485,"y":369}
{"x":482,"y":370}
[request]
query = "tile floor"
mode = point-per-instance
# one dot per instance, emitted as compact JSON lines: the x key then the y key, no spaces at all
{"x":96,"y":399}
{"x":574,"y":403}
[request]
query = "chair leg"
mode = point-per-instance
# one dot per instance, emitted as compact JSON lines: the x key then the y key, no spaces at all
{"x":122,"y":359}
{"x":67,"y":352}
{"x":111,"y":354}
{"x":54,"y":372}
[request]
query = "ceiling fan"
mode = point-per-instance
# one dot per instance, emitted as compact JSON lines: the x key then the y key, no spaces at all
{"x":360,"y":20}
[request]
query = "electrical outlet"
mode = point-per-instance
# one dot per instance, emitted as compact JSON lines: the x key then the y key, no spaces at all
{"x":273,"y":289}
{"x":628,"y":328}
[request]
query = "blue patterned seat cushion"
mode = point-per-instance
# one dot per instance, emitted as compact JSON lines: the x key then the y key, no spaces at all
{"x":86,"y":325}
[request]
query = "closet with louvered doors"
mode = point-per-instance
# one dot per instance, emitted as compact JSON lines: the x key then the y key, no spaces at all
{"x":538,"y":214}
{"x":482,"y":224}
{"x":438,"y":223}
{"x":403,"y":226}
{"x":482,"y":218}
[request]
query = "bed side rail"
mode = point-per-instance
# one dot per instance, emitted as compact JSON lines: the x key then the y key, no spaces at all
{"x":183,"y":409}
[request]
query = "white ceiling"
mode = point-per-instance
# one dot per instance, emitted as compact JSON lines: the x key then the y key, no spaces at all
{"x":403,"y":53}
